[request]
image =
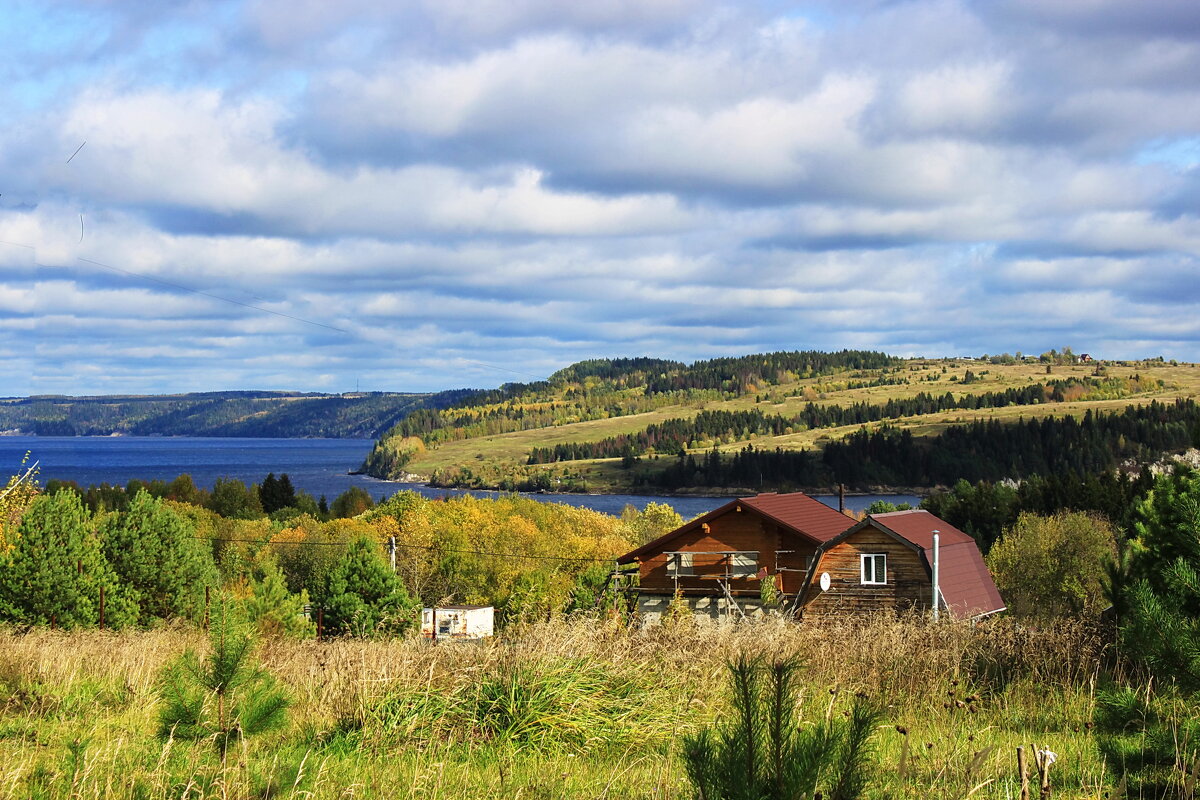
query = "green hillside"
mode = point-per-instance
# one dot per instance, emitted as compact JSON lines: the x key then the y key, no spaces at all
{"x":767,"y":422}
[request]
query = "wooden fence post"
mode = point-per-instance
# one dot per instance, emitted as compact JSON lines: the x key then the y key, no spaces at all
{"x":1023,"y":772}
{"x":1043,"y":758}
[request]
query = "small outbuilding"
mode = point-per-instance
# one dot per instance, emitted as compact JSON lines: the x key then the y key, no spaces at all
{"x":457,"y":623}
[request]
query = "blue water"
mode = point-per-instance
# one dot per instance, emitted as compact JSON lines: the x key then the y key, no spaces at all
{"x":317,"y":466}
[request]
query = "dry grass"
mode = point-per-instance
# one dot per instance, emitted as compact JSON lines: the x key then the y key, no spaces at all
{"x":583,"y":708}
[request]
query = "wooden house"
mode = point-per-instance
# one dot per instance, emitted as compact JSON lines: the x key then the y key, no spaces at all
{"x":717,"y":562}
{"x":820,"y":561}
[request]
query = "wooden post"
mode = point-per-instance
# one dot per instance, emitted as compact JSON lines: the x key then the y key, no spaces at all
{"x":1024,"y":773}
{"x":434,"y":613}
{"x":207,"y":589}
{"x":102,"y":607}
{"x":320,"y":624}
{"x":1043,"y":758}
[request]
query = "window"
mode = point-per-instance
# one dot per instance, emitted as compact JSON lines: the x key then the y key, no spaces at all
{"x":679,"y":564}
{"x":874,"y":568}
{"x":744,"y":564}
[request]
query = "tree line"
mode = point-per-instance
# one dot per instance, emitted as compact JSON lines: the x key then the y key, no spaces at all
{"x":600,"y":389}
{"x":254,"y":414}
{"x":136,"y":559}
{"x":676,"y":435}
{"x":977,"y":451}
{"x":275,"y":497}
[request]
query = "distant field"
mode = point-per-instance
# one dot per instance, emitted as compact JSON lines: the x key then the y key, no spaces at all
{"x":924,"y":375}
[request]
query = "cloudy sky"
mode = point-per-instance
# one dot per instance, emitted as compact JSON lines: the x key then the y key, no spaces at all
{"x":302,"y":194}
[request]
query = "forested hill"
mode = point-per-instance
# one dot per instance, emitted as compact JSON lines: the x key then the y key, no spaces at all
{"x":798,"y":420}
{"x":249,"y":413}
{"x":607,"y":388}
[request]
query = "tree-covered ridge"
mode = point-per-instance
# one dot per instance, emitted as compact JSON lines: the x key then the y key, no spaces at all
{"x":248,"y":413}
{"x":601,"y":389}
{"x":976,"y":451}
{"x":746,"y":374}
{"x":674,"y":436}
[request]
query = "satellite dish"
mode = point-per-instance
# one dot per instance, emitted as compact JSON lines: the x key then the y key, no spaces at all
{"x":825,"y":581}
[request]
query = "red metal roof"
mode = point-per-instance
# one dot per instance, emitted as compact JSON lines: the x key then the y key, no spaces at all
{"x":963,"y":578}
{"x":797,"y":511}
{"x":804,"y":514}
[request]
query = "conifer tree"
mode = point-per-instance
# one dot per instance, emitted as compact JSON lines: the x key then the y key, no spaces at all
{"x":362,"y":596}
{"x":1148,"y":733}
{"x":271,"y":608}
{"x":153,"y":551}
{"x":55,"y":571}
{"x":268,"y":494}
{"x":224,"y":697}
{"x":287,"y":492}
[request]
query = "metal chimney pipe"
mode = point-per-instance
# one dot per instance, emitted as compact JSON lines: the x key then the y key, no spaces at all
{"x":936,"y":589}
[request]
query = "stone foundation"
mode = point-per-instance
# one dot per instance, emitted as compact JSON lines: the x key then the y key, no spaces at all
{"x":651,"y":607}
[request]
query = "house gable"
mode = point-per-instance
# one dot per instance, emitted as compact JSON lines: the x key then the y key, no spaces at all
{"x":777,"y":533}
{"x":897,"y":581}
{"x":965,"y":585}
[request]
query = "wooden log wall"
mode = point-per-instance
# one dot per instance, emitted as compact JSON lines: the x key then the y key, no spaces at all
{"x":908,"y":581}
{"x":734,"y":530}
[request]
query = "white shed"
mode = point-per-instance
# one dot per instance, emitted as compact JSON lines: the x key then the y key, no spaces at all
{"x":457,"y":623}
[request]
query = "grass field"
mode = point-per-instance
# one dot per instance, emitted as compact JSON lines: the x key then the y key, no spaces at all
{"x":604,"y":474}
{"x":562,"y":709}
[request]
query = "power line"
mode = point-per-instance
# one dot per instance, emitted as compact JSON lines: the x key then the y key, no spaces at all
{"x":411,"y":547}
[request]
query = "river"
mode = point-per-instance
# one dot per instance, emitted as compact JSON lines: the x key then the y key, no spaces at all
{"x":317,"y":466}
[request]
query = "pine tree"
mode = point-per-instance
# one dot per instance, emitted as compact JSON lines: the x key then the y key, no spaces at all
{"x":271,"y":608}
{"x":1149,"y":734}
{"x":153,"y":550}
{"x":287,"y":492}
{"x":268,"y":494}
{"x":56,"y":569}
{"x":362,"y":596}
{"x":225,"y":696}
{"x":762,"y":752}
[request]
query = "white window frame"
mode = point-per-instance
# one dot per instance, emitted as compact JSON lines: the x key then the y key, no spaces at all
{"x":743,"y":564}
{"x":681,"y":565}
{"x":878,"y":569}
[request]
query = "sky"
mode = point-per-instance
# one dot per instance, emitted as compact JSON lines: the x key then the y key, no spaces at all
{"x":433,"y":194}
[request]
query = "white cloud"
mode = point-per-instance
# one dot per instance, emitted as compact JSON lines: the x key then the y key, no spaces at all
{"x":523,"y":184}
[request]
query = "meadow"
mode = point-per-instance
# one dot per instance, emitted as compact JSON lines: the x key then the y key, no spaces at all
{"x":574,"y":707}
{"x":502,"y":454}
